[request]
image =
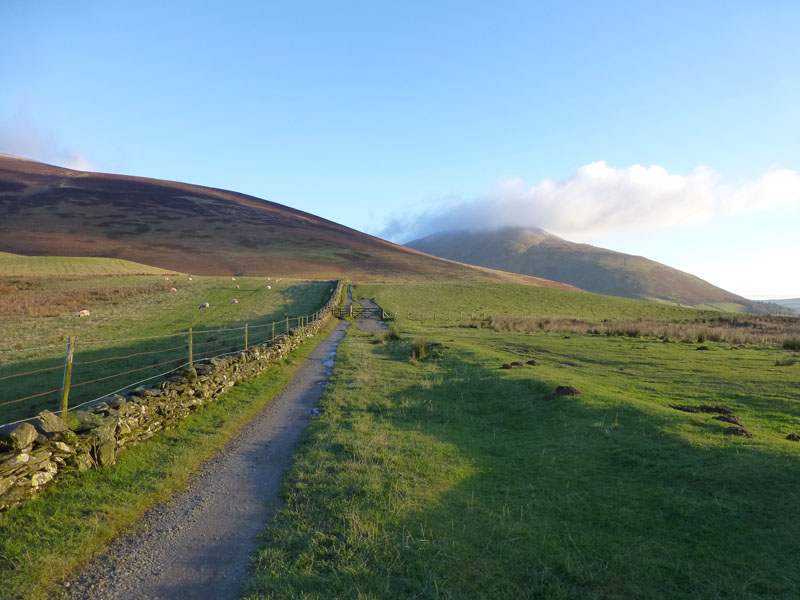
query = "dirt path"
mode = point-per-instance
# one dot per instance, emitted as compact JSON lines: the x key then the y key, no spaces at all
{"x":371,"y":324}
{"x":198,"y":544}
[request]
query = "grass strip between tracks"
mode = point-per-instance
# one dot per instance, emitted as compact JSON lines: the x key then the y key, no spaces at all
{"x":42,"y":542}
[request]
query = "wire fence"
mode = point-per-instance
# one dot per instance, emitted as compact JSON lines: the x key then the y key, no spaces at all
{"x":89,"y":371}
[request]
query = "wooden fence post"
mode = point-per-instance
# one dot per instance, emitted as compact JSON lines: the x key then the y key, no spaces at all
{"x":273,"y":330}
{"x":67,"y":376}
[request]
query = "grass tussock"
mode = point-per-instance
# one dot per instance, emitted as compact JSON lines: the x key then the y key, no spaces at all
{"x":391,"y":335}
{"x":418,"y":349}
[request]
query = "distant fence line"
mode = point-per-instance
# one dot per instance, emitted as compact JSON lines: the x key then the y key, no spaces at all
{"x":194,"y":345}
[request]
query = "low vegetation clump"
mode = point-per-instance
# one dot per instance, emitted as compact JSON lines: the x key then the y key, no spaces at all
{"x":792,"y":343}
{"x":454,"y":478}
{"x":418,"y":349}
{"x":388,"y":335}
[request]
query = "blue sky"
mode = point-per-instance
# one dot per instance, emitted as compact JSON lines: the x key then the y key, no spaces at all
{"x":393,"y":117}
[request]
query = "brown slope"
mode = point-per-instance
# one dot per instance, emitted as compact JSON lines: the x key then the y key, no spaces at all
{"x":598,"y":270}
{"x":48,"y":210}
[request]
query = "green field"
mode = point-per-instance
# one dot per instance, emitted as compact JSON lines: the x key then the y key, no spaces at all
{"x":15,"y":264}
{"x":421,"y":299}
{"x":449,"y":477}
{"x":432,"y":472}
{"x":134,"y":316}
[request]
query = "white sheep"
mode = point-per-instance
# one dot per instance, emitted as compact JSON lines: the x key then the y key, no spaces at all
{"x":269,"y":287}
{"x":204,"y":305}
{"x":173,"y":289}
{"x":166,"y":278}
{"x":234,"y":301}
{"x":267,"y":278}
{"x":233,"y":278}
{"x":84,"y":313}
{"x":237,"y":286}
{"x":190,"y":278}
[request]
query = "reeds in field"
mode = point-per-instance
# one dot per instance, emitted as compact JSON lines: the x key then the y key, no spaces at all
{"x":418,"y":348}
{"x":735,"y":329}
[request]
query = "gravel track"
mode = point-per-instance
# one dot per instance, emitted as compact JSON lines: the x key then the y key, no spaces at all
{"x":198,"y":544}
{"x":373,"y":325}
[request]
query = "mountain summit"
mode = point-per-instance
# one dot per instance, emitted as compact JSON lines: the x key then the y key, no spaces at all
{"x":542,"y":254}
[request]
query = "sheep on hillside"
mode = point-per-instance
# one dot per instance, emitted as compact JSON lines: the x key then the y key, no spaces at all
{"x":233,"y":278}
{"x":166,"y":278}
{"x":269,"y":287}
{"x":83,"y":313}
{"x":204,"y":305}
{"x":173,"y":289}
{"x":190,"y":278}
{"x":237,"y":286}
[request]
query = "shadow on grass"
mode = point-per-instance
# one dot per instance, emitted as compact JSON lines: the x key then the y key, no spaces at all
{"x":484,"y":485}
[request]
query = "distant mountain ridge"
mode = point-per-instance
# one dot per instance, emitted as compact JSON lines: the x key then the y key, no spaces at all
{"x":53,"y":211}
{"x":542,"y":254}
{"x":793,"y":303}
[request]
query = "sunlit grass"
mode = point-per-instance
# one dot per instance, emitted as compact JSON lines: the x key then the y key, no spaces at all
{"x":448,"y":477}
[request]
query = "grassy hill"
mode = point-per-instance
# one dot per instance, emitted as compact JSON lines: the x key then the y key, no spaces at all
{"x":38,"y":266}
{"x":52,"y":211}
{"x":538,"y":253}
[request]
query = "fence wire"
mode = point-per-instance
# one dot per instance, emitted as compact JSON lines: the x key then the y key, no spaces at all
{"x":230,"y":341}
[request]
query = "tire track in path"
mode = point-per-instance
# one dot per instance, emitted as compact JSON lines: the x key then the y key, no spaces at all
{"x":197,"y":545}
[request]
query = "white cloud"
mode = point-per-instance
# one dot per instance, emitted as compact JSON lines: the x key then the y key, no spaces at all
{"x":22,"y":136}
{"x":598,"y":200}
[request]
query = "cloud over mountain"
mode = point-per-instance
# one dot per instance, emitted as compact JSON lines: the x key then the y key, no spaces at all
{"x":598,"y":199}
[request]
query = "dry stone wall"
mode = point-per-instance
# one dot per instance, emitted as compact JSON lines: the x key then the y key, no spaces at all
{"x":34,"y":455}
